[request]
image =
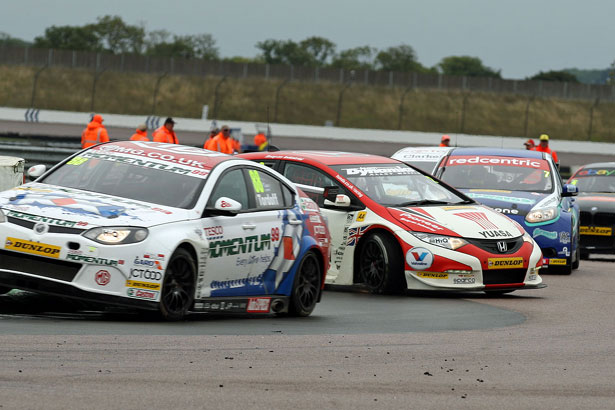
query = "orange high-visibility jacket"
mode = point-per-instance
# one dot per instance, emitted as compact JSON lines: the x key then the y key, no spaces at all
{"x":94,"y":133}
{"x":548,"y":151}
{"x":162,"y":134}
{"x":139,"y":136}
{"x":220,"y":144}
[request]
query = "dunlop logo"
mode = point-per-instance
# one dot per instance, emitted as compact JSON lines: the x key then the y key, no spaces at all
{"x":505,"y":263}
{"x":34,"y":248}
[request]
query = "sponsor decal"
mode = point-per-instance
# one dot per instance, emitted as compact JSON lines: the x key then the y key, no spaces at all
{"x":432,"y":275}
{"x":308,"y":204}
{"x":361,"y":216}
{"x":464,"y":281}
{"x":379,"y":170}
{"x":236,"y":246}
{"x":156,"y":256}
{"x":478,"y":217}
{"x":143,"y":285}
{"x":252,"y":259}
{"x":598,"y":172}
{"x":44,"y":219}
{"x":102,"y":277}
{"x":145,"y":274}
{"x":493,"y":160}
{"x":596,"y":230}
{"x":532,"y":277}
{"x":564,"y":237}
{"x":556,"y":261}
{"x":34,"y":248}
{"x":509,"y":199}
{"x":94,"y":260}
{"x":152,"y":263}
{"x":354,"y":234}
{"x":507,"y":211}
{"x":141,"y":293}
{"x":547,"y":234}
{"x":315,"y":219}
{"x":564,"y":251}
{"x":496,"y":234}
{"x":235,"y":283}
{"x":504,"y":263}
{"x":258,"y":305}
{"x":267,"y":199}
{"x":419,"y":258}
{"x":319,"y":230}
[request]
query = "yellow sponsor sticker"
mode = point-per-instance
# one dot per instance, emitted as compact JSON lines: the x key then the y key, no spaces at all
{"x":361,"y":216}
{"x":505,"y":263}
{"x":256,"y":181}
{"x":142,"y":285}
{"x":557,"y":261}
{"x":595,"y":230}
{"x":77,"y":161}
{"x":34,"y":248}
{"x":432,"y":275}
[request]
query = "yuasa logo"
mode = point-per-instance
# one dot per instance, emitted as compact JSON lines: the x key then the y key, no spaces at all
{"x":419,"y":258}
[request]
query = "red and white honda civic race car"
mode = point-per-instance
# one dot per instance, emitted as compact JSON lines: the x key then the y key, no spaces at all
{"x":394,"y":227}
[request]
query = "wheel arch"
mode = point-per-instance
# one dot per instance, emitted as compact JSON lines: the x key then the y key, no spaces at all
{"x":358,"y":249}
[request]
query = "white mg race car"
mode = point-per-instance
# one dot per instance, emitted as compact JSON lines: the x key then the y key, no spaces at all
{"x":394,"y":227}
{"x":168,"y":227}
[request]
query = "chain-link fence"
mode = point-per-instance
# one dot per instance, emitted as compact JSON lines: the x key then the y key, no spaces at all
{"x":178,"y":66}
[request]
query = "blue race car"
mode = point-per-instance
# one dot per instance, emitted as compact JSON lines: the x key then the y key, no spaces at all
{"x":526,"y":186}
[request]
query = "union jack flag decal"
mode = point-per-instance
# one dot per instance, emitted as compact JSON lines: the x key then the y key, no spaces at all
{"x":354,"y":234}
{"x":478,"y":217}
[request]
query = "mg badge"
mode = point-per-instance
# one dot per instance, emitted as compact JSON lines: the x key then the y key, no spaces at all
{"x":502,"y":246}
{"x":41,"y":228}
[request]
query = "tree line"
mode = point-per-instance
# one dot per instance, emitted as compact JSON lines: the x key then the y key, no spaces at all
{"x":111,"y":34}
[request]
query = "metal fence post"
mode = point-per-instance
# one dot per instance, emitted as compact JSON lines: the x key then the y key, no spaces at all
{"x":527,"y":115}
{"x":245,"y":70}
{"x":158,"y":81}
{"x":25,"y":55}
{"x":96,"y":77}
{"x":216,"y":97}
{"x":591,"y":118}
{"x":277,"y":98}
{"x":339,"y":102}
{"x":401,"y":106}
{"x":35,"y":83}
{"x":464,"y":105}
{"x":390,"y":78}
{"x":50,"y":57}
{"x":74,"y":62}
{"x":266,"y":71}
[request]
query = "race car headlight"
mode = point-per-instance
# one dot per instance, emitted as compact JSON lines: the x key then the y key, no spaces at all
{"x":116,"y":235}
{"x":541,"y":215}
{"x":2,"y":216}
{"x":448,"y":242}
{"x":527,"y":237}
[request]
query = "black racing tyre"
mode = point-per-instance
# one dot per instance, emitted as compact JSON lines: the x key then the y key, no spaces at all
{"x":381,"y":265}
{"x":306,"y":286}
{"x":577,"y":259}
{"x":178,"y":286}
{"x":4,"y":289}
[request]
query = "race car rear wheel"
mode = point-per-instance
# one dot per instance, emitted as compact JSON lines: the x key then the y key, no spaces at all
{"x":577,"y":260}
{"x":306,"y":286}
{"x":178,"y":286}
{"x":381,"y":264}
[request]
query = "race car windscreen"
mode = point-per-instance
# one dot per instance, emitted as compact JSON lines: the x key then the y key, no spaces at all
{"x":163,"y":187}
{"x":595,"y":180}
{"x":398,"y":185}
{"x":498,"y":173}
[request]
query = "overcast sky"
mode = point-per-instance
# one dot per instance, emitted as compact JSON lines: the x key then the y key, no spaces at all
{"x":520,"y":37}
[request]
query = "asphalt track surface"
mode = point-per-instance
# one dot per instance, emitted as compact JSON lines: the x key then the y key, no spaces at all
{"x":541,"y":349}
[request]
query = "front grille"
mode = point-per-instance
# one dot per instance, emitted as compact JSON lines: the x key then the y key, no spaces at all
{"x":52,"y":228}
{"x":549,"y":252}
{"x":491,"y":245}
{"x":598,"y":241}
{"x":604,"y":219}
{"x":36,"y":265}
{"x":503,"y":276}
{"x":585,"y":218}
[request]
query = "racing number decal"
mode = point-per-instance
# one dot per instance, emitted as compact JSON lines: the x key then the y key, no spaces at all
{"x":77,"y":161}
{"x":256,"y":181}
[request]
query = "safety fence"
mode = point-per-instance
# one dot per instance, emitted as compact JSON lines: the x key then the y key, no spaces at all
{"x":178,"y":66}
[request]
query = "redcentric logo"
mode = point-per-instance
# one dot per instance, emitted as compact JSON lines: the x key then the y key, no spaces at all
{"x":498,"y":161}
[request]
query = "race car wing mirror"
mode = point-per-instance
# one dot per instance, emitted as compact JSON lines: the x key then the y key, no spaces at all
{"x":330,"y":192}
{"x":224,"y":206}
{"x":570,"y":190}
{"x":341,"y":201}
{"x":36,"y":171}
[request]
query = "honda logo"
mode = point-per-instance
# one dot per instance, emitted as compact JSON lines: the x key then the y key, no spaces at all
{"x":502,"y":246}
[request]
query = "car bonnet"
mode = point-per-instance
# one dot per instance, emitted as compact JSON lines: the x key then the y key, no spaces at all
{"x":466,"y":221}
{"x":511,"y":203}
{"x":73,"y":207}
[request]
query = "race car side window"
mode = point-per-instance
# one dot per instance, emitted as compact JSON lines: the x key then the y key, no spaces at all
{"x":306,"y":175}
{"x":231,"y":185}
{"x":269,"y":192}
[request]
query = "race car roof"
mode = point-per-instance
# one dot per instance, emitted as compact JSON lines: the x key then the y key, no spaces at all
{"x":323,"y":157}
{"x":599,"y":165}
{"x":182,"y":155}
{"x":499,"y":152}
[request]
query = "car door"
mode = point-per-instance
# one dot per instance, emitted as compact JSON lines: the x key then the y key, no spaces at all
{"x":242,"y":247}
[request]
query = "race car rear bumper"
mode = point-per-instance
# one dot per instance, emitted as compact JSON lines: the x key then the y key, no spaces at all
{"x":12,"y":280}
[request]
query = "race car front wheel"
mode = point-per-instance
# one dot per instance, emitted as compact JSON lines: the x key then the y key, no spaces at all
{"x":381,"y":264}
{"x":178,"y":286}
{"x":306,"y":286}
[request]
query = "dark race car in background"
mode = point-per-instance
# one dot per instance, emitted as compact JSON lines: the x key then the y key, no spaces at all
{"x":526,"y":186}
{"x":596,"y":183}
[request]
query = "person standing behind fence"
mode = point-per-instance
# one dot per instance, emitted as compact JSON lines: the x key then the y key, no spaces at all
{"x":543,"y":146}
{"x":223,"y":141}
{"x":140,"y":134}
{"x":94,"y":133}
{"x":210,"y":143}
{"x":165,"y":132}
{"x":260,"y":141}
